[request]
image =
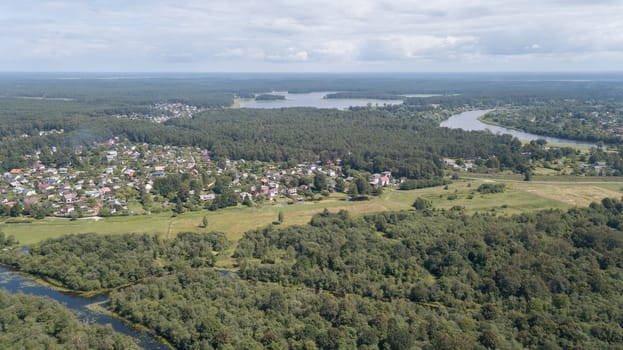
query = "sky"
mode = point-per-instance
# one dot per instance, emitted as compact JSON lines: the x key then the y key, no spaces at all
{"x":311,"y":36}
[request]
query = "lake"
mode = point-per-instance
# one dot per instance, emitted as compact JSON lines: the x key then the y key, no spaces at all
{"x":315,"y":99}
{"x":469,"y":121}
{"x":13,"y":282}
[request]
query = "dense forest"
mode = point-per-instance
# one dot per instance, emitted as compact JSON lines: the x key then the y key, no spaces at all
{"x":403,"y":142}
{"x":29,"y":322}
{"x":427,"y":278}
{"x":404,"y":139}
{"x":88,"y":262}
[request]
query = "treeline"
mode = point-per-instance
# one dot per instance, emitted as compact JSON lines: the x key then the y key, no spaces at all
{"x":88,"y":262}
{"x":30,"y":322}
{"x":540,"y":280}
{"x":269,"y":97}
{"x":415,"y":184}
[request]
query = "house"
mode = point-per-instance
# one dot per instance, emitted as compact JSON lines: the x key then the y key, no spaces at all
{"x":384,"y":181}
{"x":70,"y":197}
{"x":207,"y":197}
{"x":67,"y":210}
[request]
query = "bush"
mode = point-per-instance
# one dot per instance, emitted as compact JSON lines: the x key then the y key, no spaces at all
{"x":421,"y":204}
{"x":491,"y":188}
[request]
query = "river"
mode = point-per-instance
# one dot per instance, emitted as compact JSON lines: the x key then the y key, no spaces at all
{"x":469,"y":121}
{"x":314,"y":99}
{"x":14,"y":282}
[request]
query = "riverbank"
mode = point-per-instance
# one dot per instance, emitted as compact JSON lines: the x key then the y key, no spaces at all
{"x":473,"y":121}
{"x":59,"y":287}
{"x":101,"y":309}
{"x":14,"y":281}
{"x":483,"y":119}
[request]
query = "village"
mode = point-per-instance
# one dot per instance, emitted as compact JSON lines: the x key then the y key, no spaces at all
{"x":118,"y":177}
{"x":121,"y":178}
{"x":163,"y":111}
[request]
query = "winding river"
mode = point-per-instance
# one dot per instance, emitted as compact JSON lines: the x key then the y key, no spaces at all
{"x":14,"y":282}
{"x":469,"y":121}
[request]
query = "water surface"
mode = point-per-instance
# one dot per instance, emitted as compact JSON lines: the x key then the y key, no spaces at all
{"x":13,"y":282}
{"x":315,"y":99}
{"x":469,"y":121}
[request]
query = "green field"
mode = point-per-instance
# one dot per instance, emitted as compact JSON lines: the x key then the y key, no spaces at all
{"x":518,"y":197}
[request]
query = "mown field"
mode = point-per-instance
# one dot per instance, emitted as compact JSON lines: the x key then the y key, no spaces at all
{"x":518,"y":197}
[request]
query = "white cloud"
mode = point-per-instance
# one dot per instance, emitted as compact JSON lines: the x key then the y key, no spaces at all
{"x":307,"y":34}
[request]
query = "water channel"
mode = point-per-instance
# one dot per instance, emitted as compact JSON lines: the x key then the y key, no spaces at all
{"x":13,"y":282}
{"x":469,"y":121}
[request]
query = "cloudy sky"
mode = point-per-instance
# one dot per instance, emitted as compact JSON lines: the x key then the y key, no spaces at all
{"x":311,"y":36}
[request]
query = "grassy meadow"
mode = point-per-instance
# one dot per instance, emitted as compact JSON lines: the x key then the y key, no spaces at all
{"x":518,"y":197}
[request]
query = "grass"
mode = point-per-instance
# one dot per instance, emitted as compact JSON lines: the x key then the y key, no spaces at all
{"x":518,"y":197}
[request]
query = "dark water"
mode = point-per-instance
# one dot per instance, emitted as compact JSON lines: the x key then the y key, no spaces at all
{"x":315,"y":99}
{"x":13,"y":282}
{"x":469,"y":121}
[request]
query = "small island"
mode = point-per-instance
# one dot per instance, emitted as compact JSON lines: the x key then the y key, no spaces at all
{"x":269,"y":97}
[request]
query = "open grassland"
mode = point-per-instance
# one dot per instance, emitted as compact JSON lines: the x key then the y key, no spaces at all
{"x":518,"y":197}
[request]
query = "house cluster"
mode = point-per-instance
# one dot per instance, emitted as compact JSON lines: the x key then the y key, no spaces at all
{"x":124,"y":169}
{"x":119,"y":171}
{"x":58,"y":191}
{"x":161,"y":112}
{"x":381,"y":180}
{"x":465,"y":165}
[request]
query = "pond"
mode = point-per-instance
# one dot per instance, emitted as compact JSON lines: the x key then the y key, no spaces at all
{"x":14,"y":282}
{"x":314,"y":99}
{"x":469,"y":121}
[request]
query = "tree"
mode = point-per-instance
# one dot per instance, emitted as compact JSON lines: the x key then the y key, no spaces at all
{"x":146,"y":200}
{"x":204,"y":221}
{"x":179,"y":207}
{"x":363,"y":186}
{"x":320,"y":182}
{"x":340,"y":185}
{"x":421,"y":204}
{"x":280,"y":217}
{"x":16,"y":210}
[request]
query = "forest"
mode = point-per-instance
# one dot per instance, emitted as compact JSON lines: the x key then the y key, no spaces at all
{"x":425,"y":278}
{"x":29,"y":322}
{"x":89,"y":262}
{"x":404,"y":139}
